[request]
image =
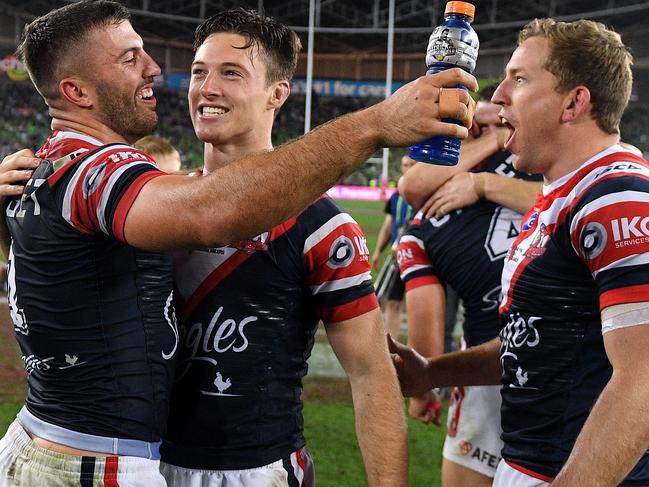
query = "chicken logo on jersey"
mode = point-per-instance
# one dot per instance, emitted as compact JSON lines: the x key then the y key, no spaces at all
{"x":72,"y":360}
{"x":221,"y":384}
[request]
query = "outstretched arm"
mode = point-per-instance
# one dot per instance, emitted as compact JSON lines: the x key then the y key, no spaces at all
{"x":258,"y":192}
{"x":474,"y":366}
{"x":618,"y":419}
{"x":359,"y":344}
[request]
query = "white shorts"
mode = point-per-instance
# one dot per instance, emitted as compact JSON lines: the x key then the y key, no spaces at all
{"x":23,"y":464}
{"x":295,"y":471}
{"x":508,"y":476}
{"x":473,"y":429}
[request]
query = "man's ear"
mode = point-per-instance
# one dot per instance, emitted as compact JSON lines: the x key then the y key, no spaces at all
{"x":279,"y":92}
{"x":76,"y":91}
{"x":576,"y":104}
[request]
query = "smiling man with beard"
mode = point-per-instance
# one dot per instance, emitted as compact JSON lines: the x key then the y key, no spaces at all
{"x":90,"y":291}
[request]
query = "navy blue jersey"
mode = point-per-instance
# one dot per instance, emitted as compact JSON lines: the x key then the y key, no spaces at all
{"x":248,"y":321}
{"x":93,"y":316}
{"x":465,"y":249}
{"x":583,"y":247}
{"x":400,"y":211}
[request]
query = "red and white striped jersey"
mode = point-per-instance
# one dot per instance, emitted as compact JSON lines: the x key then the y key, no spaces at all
{"x":93,"y":316}
{"x":249,"y":313}
{"x":584,"y":246}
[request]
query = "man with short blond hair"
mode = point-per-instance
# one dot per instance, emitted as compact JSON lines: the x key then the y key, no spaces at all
{"x":575,"y":285}
{"x":164,"y":154}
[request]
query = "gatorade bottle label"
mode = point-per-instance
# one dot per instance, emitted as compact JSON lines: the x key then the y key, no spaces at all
{"x":446,"y":46}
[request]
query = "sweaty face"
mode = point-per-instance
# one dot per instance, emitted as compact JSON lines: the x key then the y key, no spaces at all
{"x":228,"y":96}
{"x":530,"y":107}
{"x":123,"y":79}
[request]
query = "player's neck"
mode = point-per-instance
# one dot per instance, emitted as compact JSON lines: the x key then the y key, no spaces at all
{"x":576,"y":148}
{"x":93,"y":128}
{"x":220,"y":155}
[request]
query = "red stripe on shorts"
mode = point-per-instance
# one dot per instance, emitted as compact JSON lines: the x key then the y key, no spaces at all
{"x":530,"y":473}
{"x":110,"y":472}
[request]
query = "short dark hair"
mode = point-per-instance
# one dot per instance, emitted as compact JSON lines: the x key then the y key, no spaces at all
{"x":278,"y":44}
{"x":47,"y":39}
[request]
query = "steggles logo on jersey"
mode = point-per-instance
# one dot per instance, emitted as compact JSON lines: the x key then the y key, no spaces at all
{"x":201,"y":344}
{"x":33,"y":363}
{"x":518,"y":333}
{"x":633,"y":231}
{"x":170,"y":317}
{"x":341,"y":253}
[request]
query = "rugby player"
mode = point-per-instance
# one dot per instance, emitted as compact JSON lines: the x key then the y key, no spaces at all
{"x":464,"y":249}
{"x":397,"y":215}
{"x":572,"y":351}
{"x":249,"y":312}
{"x":90,"y":293}
{"x":165,"y":155}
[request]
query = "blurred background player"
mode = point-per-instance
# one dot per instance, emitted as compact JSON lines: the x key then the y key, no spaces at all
{"x":165,"y":155}
{"x":249,"y":312}
{"x":397,"y":215}
{"x":464,"y":249}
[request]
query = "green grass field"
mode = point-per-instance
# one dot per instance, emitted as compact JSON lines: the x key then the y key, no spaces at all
{"x":370,"y":216}
{"x":328,"y":412}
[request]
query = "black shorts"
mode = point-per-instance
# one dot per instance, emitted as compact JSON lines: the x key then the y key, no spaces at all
{"x":397,"y":290}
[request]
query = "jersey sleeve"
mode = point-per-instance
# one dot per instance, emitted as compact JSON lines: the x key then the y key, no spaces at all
{"x":415,"y":266}
{"x":338,"y":267}
{"x":609,"y":231}
{"x":101,"y":190}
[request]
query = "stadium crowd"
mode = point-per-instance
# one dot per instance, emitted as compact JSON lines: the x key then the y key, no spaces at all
{"x":24,"y":122}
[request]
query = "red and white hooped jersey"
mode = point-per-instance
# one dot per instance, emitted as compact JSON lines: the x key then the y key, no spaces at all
{"x":583,"y":246}
{"x":249,"y":313}
{"x":93,"y":316}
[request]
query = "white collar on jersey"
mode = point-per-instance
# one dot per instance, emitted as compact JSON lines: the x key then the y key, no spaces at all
{"x":62,"y":135}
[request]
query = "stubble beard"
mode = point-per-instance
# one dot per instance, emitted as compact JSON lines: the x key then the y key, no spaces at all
{"x":122,"y":115}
